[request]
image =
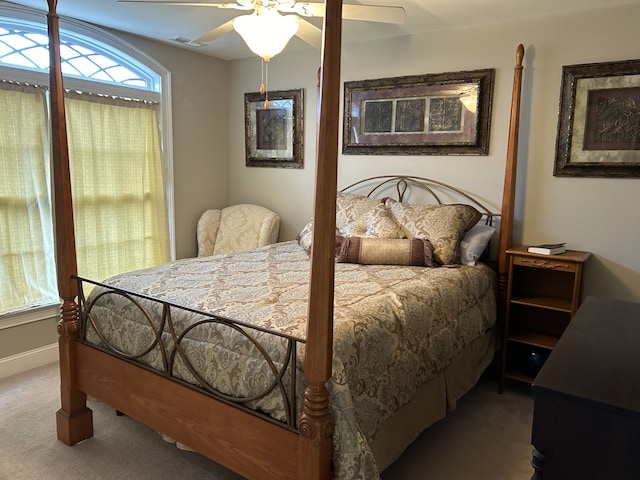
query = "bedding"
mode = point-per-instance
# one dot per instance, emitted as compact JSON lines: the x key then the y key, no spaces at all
{"x":385,"y":251}
{"x":357,"y":216}
{"x":386,"y":231}
{"x":395,"y":328}
{"x":443,"y":225}
{"x":361,"y":216}
{"x":474,"y":243}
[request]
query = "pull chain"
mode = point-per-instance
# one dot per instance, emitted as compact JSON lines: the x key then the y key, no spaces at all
{"x":262,"y":89}
{"x":265,"y":81}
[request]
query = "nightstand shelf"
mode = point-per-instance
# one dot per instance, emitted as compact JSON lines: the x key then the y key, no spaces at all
{"x":535,"y":339}
{"x":552,"y":303}
{"x":519,"y":376}
{"x":543,"y":294}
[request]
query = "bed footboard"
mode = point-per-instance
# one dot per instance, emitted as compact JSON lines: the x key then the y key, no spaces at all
{"x":253,"y":447}
{"x":245,"y":366}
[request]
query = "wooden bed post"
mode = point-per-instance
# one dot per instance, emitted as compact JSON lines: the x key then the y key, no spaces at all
{"x":315,"y":423}
{"x":505,"y":238}
{"x":74,"y":420}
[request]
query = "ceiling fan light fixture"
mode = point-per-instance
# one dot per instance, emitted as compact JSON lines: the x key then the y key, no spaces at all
{"x":265,"y":31}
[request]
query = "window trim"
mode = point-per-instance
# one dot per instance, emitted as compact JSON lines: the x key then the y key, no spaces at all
{"x":27,"y":315}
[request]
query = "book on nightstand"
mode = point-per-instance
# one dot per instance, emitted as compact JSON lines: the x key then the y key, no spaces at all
{"x":547,"y":248}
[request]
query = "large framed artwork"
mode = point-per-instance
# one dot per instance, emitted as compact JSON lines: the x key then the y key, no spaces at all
{"x":274,"y":129}
{"x":433,"y":114}
{"x":599,"y":121}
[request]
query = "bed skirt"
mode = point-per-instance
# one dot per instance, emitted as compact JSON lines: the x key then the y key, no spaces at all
{"x":433,"y":400}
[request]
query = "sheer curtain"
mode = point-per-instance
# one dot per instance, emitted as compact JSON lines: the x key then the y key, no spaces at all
{"x":27,"y":268}
{"x":117,"y":181}
{"x":118,"y":191}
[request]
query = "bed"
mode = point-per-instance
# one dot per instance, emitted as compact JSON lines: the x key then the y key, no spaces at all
{"x":316,"y":405}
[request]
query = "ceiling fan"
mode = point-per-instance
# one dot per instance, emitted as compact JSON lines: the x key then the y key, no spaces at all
{"x":292,"y":11}
{"x":266,"y":31}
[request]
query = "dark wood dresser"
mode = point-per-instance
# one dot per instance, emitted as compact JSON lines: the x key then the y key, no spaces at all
{"x":586,"y":420}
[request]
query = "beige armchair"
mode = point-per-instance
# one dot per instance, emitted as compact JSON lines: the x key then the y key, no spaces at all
{"x":236,"y":228}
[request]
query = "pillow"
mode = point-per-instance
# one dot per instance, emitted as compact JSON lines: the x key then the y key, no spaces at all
{"x":357,"y":216}
{"x":443,"y":225}
{"x":474,"y":243}
{"x":305,"y":237}
{"x":385,"y":251}
{"x":360,"y":216}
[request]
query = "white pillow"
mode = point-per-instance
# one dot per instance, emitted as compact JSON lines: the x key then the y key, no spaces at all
{"x":474,"y":243}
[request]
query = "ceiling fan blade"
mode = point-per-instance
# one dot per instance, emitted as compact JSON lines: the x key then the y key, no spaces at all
{"x":211,"y":35}
{"x":236,"y":6}
{"x":309,"y":33}
{"x":303,"y":8}
{"x":367,"y":13}
{"x":373,"y":13}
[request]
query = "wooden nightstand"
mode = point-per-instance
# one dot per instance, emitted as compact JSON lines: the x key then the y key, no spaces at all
{"x":543,"y":294}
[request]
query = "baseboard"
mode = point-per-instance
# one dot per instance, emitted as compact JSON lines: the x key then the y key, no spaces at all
{"x":27,"y":360}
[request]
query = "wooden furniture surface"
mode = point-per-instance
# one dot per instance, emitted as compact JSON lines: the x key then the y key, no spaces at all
{"x":543,"y":294}
{"x":586,"y":422}
{"x":82,"y":372}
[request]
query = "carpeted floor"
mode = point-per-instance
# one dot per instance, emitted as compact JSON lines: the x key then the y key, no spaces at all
{"x":487,"y":437}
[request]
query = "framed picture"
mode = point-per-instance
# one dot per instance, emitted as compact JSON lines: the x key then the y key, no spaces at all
{"x":599,"y":122}
{"x":274,"y":130}
{"x":435,"y":114}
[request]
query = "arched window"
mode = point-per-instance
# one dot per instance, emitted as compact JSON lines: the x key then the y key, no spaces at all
{"x":25,"y":45}
{"x":117,"y":105}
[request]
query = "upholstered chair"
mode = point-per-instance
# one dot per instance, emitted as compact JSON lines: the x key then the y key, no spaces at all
{"x":236,"y":228}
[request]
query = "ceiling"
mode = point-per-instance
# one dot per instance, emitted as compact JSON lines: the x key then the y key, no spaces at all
{"x":167,"y":22}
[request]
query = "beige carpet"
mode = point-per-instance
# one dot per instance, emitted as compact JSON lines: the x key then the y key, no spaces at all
{"x":487,"y":437}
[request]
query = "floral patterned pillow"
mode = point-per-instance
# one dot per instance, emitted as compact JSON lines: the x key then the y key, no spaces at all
{"x":443,"y":225}
{"x":360,"y":216}
{"x":357,"y":216}
{"x":305,"y":236}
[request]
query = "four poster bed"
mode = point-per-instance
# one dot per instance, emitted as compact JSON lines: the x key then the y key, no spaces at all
{"x":314,"y":361}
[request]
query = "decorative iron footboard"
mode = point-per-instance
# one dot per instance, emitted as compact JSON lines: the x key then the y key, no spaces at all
{"x":168,"y":343}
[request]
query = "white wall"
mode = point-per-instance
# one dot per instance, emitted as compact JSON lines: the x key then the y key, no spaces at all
{"x":594,"y":214}
{"x":286,"y":191}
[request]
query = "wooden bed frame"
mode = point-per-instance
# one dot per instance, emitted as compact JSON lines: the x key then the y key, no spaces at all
{"x":251,"y":446}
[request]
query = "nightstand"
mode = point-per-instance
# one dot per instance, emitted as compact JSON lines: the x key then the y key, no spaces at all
{"x":543,"y":294}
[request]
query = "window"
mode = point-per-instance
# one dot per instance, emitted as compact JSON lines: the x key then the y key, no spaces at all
{"x":116,"y":113}
{"x":26,"y":46}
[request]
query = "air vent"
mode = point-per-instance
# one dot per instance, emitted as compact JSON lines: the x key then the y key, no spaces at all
{"x":186,"y":41}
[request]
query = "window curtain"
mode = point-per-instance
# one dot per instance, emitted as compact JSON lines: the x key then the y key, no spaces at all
{"x":117,"y":185}
{"x":27,"y":266}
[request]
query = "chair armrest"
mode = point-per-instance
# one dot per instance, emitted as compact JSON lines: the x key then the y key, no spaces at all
{"x":207,"y":231}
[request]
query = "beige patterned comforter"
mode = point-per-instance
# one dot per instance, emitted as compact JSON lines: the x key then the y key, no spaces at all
{"x":394,"y":328}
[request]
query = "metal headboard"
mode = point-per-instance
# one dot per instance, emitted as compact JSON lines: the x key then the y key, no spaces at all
{"x":403,"y":184}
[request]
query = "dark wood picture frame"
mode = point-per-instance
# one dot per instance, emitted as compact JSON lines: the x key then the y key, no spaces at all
{"x":599,"y":120}
{"x":433,"y":114}
{"x":274,"y":133}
